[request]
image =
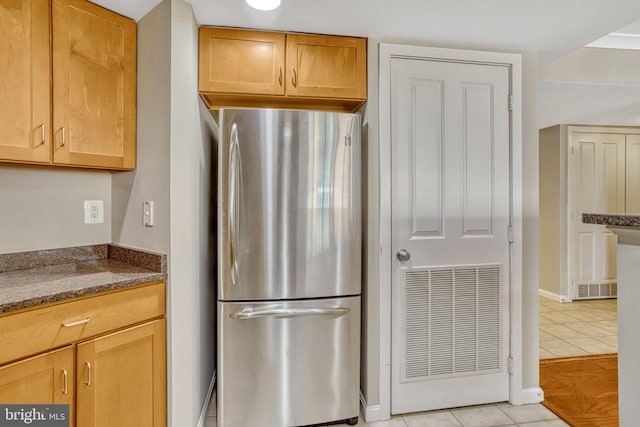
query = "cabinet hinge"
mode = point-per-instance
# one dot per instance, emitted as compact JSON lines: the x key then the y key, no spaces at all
{"x":510,"y":234}
{"x":510,"y":365}
{"x":510,"y":102}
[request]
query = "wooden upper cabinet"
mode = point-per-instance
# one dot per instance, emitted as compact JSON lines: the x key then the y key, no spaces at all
{"x":326,"y":66}
{"x":246,"y":68}
{"x":239,"y":61}
{"x":25,"y":131}
{"x":94,"y":86}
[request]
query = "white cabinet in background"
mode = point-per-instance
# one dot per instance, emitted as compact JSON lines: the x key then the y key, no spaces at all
{"x":633,"y":175}
{"x":584,"y":169}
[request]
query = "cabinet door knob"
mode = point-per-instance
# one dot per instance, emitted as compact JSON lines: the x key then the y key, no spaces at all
{"x":280,"y":75}
{"x":63,"y":137}
{"x":294,"y":76}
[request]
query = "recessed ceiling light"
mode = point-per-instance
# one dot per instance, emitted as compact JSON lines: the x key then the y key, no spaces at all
{"x":263,"y":4}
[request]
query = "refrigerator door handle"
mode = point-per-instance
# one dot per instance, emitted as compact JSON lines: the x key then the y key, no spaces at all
{"x":289,"y":312}
{"x":234,"y":188}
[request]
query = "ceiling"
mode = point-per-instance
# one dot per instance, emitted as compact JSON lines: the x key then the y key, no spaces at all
{"x":552,"y":27}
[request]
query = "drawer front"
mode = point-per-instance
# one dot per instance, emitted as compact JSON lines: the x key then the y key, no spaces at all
{"x":37,"y":330}
{"x":292,"y":362}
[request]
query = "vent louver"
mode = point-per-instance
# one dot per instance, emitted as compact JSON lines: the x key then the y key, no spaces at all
{"x":452,"y":321}
{"x":597,"y":290}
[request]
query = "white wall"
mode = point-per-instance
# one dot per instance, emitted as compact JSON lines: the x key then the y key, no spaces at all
{"x":530,"y":222}
{"x":174,"y":170}
{"x":150,"y":180}
{"x":192,"y":296}
{"x":375,"y":369}
{"x":44,"y":208}
{"x":591,"y":86}
{"x":595,"y":66}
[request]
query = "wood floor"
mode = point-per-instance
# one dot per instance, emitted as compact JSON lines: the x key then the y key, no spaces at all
{"x":583,"y":390}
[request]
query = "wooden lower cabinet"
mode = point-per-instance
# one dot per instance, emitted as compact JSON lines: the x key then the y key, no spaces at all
{"x":44,"y":379}
{"x":115,"y":375}
{"x":121,"y":378}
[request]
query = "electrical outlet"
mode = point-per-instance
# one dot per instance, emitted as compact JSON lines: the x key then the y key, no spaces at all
{"x":93,"y":211}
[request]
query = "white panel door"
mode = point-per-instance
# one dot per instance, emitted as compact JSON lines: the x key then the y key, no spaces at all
{"x":450,"y":213}
{"x":632,"y":176}
{"x":597,"y":186}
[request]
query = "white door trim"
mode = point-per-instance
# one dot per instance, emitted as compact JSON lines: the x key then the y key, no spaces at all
{"x":518,"y":395}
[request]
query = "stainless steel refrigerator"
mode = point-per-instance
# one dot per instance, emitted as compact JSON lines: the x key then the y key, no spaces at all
{"x":289,"y":227}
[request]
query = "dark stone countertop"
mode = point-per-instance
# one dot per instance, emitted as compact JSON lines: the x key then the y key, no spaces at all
{"x":29,"y":279}
{"x":613,"y":220}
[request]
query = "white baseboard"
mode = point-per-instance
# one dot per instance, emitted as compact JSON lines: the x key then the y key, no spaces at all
{"x":202,"y":421}
{"x":372,"y":412}
{"x":527,"y":396}
{"x":553,"y":296}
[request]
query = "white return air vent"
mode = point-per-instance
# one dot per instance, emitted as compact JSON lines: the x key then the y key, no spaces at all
{"x":597,"y":290}
{"x":452,"y":324}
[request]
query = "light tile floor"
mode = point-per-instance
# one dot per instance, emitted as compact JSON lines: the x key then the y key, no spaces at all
{"x":578,"y":328}
{"x":500,"y":414}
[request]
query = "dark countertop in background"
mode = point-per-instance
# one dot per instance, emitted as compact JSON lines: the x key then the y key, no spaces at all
{"x":613,"y":220}
{"x":28,"y":279}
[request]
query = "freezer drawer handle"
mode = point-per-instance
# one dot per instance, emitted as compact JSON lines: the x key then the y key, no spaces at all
{"x":290,"y":312}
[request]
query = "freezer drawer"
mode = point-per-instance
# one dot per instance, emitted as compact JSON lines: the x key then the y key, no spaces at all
{"x":284,"y":364}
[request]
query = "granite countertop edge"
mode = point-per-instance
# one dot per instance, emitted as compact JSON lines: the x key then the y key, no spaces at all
{"x":630,"y":221}
{"x":31,"y":279}
{"x":77,"y":293}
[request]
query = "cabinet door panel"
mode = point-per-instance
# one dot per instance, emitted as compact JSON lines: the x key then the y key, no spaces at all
{"x":240,"y":61}
{"x":94,"y":79}
{"x":25,"y":129}
{"x":596,"y":184}
{"x":326,"y":66}
{"x":633,"y":175}
{"x":121,"y":378}
{"x":40,"y":380}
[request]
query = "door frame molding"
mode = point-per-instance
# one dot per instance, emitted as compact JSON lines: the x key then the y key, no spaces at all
{"x":517,"y":393}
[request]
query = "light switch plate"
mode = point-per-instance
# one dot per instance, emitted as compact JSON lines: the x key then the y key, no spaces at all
{"x":93,"y":211}
{"x":147,"y":213}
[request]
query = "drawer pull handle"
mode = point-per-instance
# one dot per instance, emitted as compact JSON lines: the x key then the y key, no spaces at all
{"x":290,"y":312}
{"x":88,"y":380}
{"x":42,"y":129}
{"x":65,"y":389}
{"x":79,"y":322}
